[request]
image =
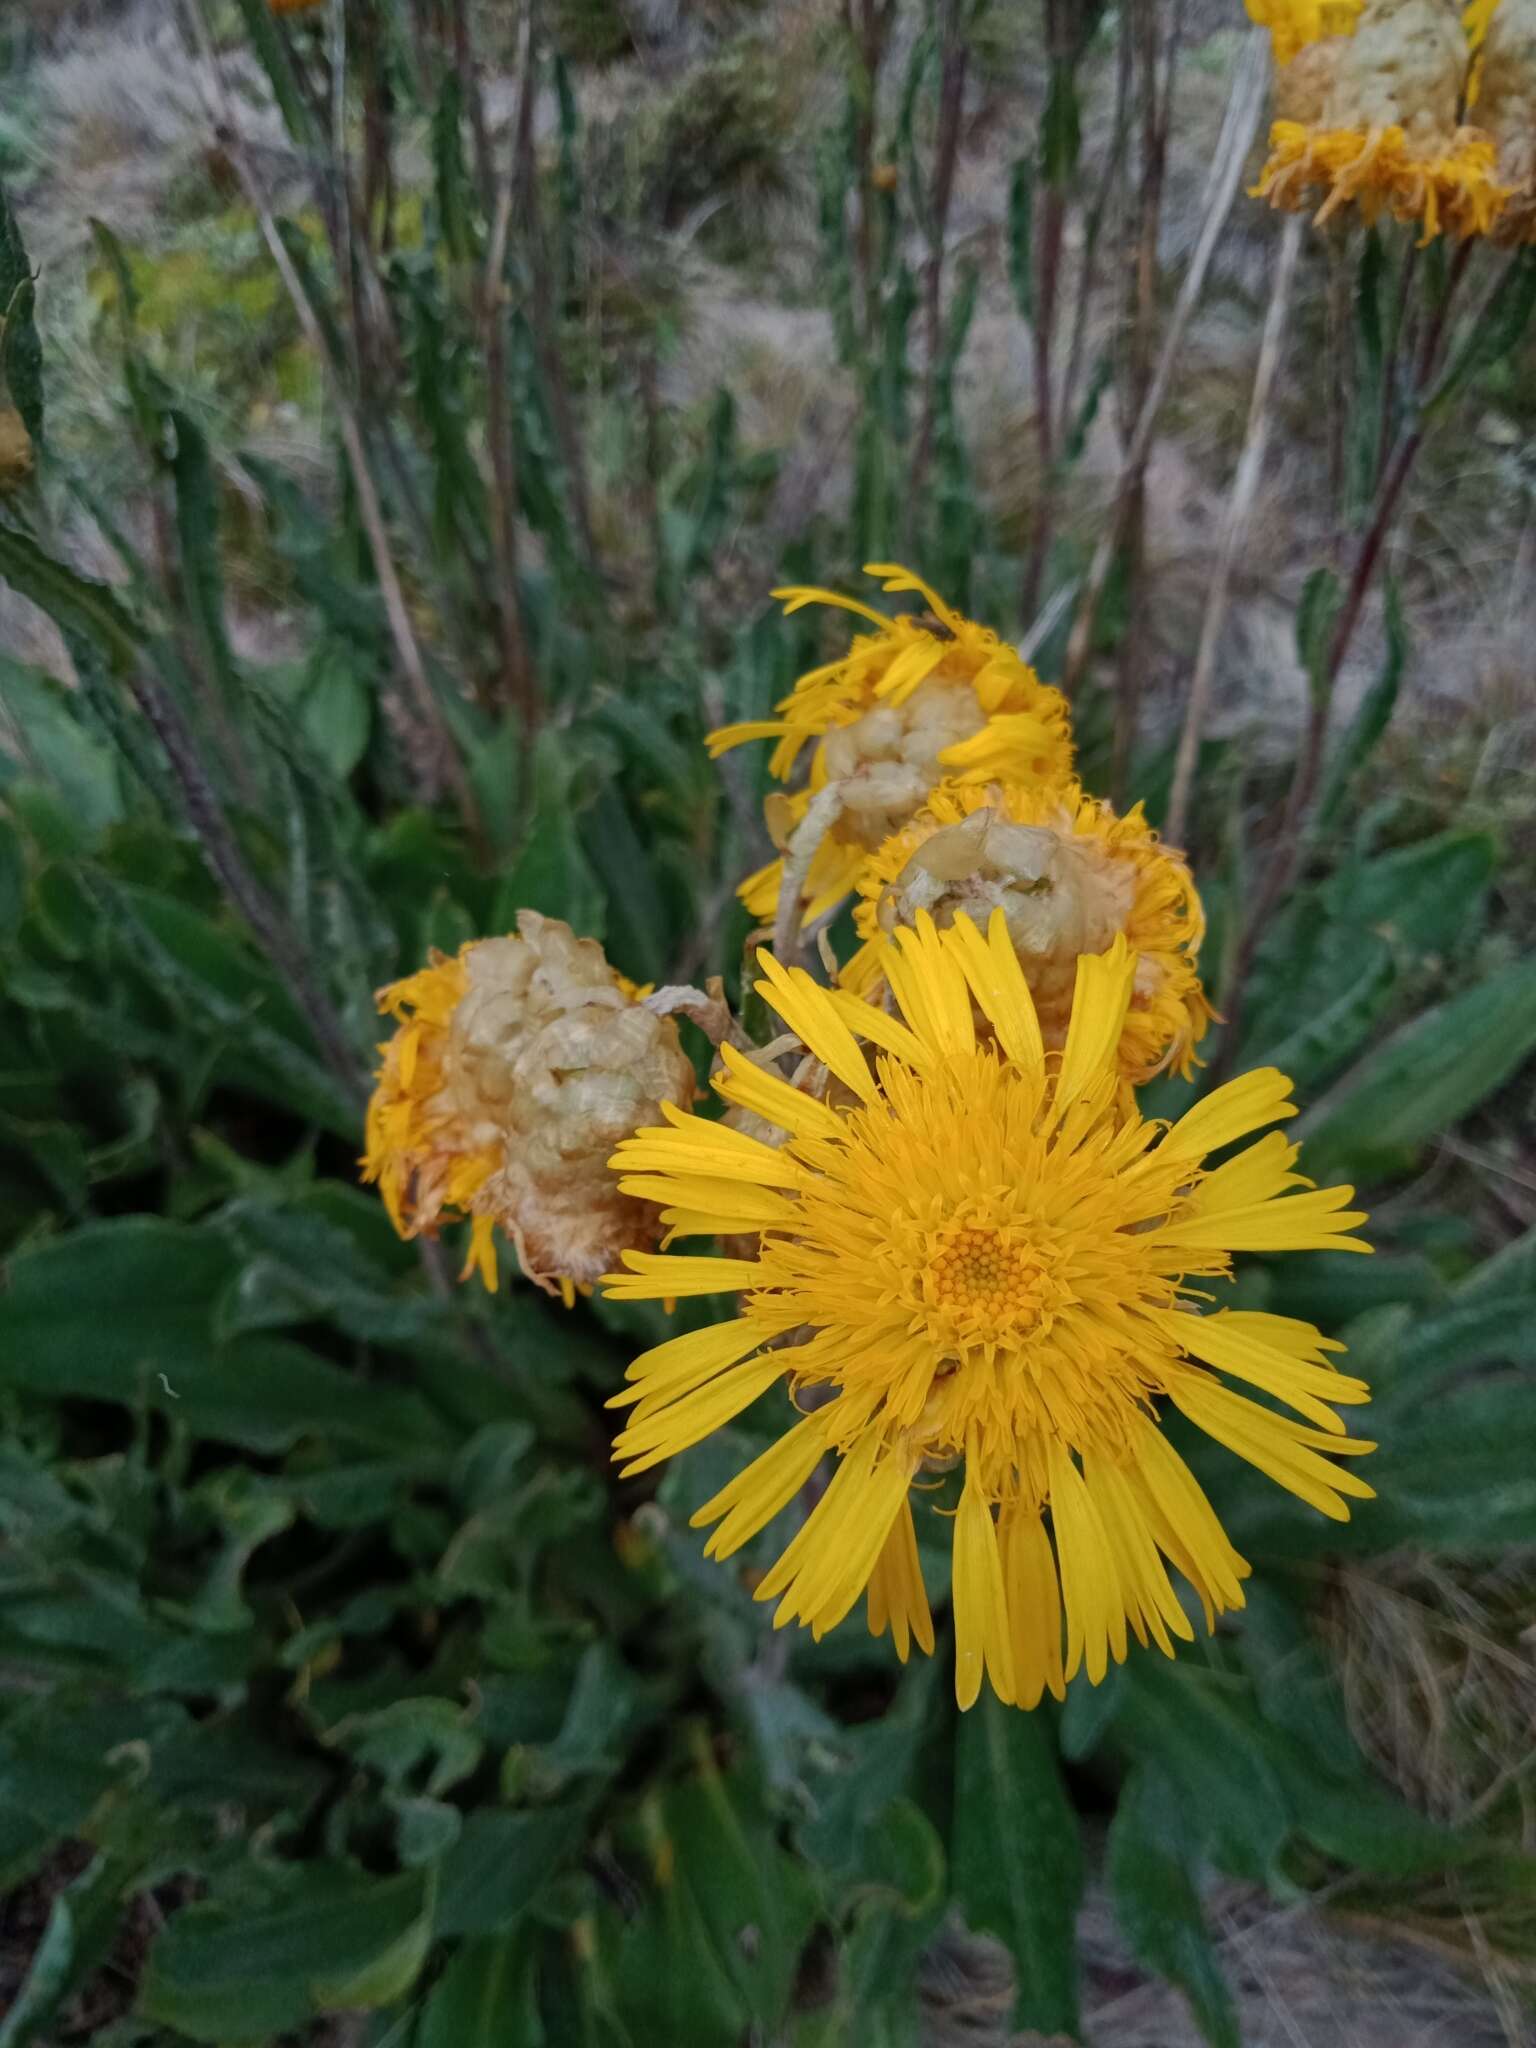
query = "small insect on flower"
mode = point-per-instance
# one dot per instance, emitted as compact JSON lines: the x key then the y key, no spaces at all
{"x":1068,"y":876}
{"x":1370,"y":118}
{"x":976,"y":1253}
{"x":515,"y":1070}
{"x":920,"y":700}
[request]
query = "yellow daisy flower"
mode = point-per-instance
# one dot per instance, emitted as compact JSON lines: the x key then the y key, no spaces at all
{"x":1068,"y":875}
{"x":919,"y":700}
{"x":976,"y":1252}
{"x":514,"y":1071}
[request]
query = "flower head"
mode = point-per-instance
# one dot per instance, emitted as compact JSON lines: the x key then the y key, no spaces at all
{"x":1506,"y":109}
{"x":978,"y":1253}
{"x":1068,"y":876}
{"x":514,"y":1071}
{"x":920,"y":700}
{"x":1372,"y":119}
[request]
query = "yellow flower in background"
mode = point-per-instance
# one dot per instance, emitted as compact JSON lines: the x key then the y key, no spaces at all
{"x":1374,"y":119}
{"x":1294,"y":24}
{"x":1069,"y":876}
{"x":514,"y":1071}
{"x":972,"y":1252}
{"x":922,"y":699}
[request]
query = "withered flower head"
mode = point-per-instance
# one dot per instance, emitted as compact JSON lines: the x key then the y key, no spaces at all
{"x":1069,"y":877}
{"x":515,"y":1069}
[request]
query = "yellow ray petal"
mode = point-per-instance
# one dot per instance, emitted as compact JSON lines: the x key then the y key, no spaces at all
{"x":991,"y":967}
{"x":1034,"y":1604}
{"x":1090,"y":1586}
{"x":898,"y":1599}
{"x":811,"y":1014}
{"x":751,"y":1088}
{"x":664,"y":1431}
{"x":983,"y":1638}
{"x":683,"y":1363}
{"x":1100,"y":1000}
{"x":656,"y":1276}
{"x":750,"y":1501}
{"x":1231,"y":1111}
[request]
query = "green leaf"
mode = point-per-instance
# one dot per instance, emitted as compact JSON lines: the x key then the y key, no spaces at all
{"x":1426,"y":1076}
{"x":333,"y":1940}
{"x":82,"y":1922}
{"x":1158,"y":1907}
{"x":1372,"y":717}
{"x":267,"y":38}
{"x":123,"y":1311}
{"x":197,"y":534}
{"x":1016,"y":1855}
{"x":1494,"y":333}
{"x":73,"y":602}
{"x":21,"y":352}
{"x":552,"y":874}
{"x":486,"y":1998}
{"x":1060,"y":125}
{"x":1021,"y":236}
{"x":714,"y":1952}
{"x":1321,"y":596}
{"x":1199,"y":1726}
{"x":501,"y":1865}
{"x":897,"y":1902}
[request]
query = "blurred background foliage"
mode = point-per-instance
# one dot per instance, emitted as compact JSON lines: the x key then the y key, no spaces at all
{"x":413,"y":406}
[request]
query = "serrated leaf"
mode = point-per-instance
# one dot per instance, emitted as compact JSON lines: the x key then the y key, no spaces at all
{"x":1016,"y":1855}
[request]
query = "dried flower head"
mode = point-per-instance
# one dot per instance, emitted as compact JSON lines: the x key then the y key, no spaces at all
{"x":978,"y":1253}
{"x":1370,"y":119}
{"x":1069,"y":877}
{"x":515,"y":1070}
{"x":921,"y":700}
{"x":1506,"y":110}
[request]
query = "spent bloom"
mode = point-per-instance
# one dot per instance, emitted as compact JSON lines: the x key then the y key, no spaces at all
{"x":1068,"y":876}
{"x":972,"y":1253}
{"x":515,"y":1069}
{"x":1506,"y":110}
{"x":1369,"y":106}
{"x":921,"y":699}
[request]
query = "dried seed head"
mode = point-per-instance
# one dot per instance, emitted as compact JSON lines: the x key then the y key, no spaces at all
{"x":1068,"y":876}
{"x":1403,"y":67}
{"x":516,"y":1070}
{"x":1506,"y":105}
{"x":1305,"y":85}
{"x":926,"y":696}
